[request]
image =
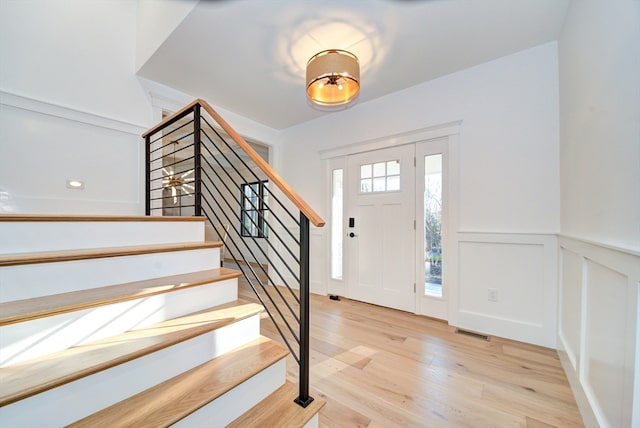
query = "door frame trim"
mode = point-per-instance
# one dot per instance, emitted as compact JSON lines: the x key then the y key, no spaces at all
{"x":335,"y":157}
{"x":411,"y":137}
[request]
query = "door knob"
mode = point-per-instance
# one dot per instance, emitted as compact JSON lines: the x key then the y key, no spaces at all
{"x":352,"y":235}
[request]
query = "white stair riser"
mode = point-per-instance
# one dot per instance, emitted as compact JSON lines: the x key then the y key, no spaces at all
{"x":27,"y":281}
{"x":35,"y":338}
{"x":234,"y":403}
{"x":31,"y":237}
{"x":68,"y":403}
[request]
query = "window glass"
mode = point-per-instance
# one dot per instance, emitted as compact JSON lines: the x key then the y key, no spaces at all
{"x":393,"y":167}
{"x":433,"y":225}
{"x":379,"y":169}
{"x":366,"y":185}
{"x":380,"y":177}
{"x":379,"y":184}
{"x":393,"y":183}
{"x":254,"y":209}
{"x":336,"y":223}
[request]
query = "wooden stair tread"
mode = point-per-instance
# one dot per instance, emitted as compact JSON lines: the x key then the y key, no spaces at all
{"x":31,"y":377}
{"x":279,"y":410}
{"x":94,"y":218}
{"x":96,"y":253}
{"x":170,"y":401}
{"x":44,"y":306}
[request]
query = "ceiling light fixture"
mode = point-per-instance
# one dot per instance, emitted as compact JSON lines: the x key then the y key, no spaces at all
{"x":75,"y":184}
{"x":333,"y":77}
{"x":175,"y":182}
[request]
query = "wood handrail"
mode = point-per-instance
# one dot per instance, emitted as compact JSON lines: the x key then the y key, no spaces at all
{"x":274,"y":177}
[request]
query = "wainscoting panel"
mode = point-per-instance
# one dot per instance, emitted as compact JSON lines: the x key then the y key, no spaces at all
{"x":604,"y":370}
{"x":570,"y":322}
{"x":598,"y":334}
{"x":507,"y":286}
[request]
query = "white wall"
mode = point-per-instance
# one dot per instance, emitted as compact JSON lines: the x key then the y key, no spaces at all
{"x":156,"y":20}
{"x":70,"y":107}
{"x":508,"y":177}
{"x":44,"y":145}
{"x":599,"y":58}
{"x":600,"y":113}
{"x":74,"y":53}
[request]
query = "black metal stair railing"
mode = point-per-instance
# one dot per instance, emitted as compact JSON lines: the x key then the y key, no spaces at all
{"x":193,"y":167}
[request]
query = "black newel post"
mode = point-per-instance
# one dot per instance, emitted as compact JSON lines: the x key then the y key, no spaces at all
{"x":196,"y":159}
{"x":147,"y":175}
{"x":303,"y":397}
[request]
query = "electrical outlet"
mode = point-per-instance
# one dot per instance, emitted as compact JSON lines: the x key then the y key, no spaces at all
{"x":492,"y":294}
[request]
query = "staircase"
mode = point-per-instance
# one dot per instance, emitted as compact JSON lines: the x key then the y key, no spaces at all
{"x":130,"y":321}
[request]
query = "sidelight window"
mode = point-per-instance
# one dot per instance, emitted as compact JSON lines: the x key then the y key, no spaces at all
{"x":336,"y":223}
{"x":433,"y":225}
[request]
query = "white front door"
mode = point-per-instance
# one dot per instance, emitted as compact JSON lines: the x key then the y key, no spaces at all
{"x":380,"y":234}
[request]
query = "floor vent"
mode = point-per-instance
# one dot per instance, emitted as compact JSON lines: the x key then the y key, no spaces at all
{"x":473,"y":334}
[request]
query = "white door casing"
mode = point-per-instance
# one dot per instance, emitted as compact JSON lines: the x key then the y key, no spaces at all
{"x":437,"y":139}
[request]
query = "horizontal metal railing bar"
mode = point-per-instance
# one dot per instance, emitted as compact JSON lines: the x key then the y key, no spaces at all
{"x":257,"y":178}
{"x":295,"y":220}
{"x":165,"y":135}
{"x":237,"y":217}
{"x":171,"y":119}
{"x":176,"y":141}
{"x":295,"y":276}
{"x":291,"y":194}
{"x":170,"y":164}
{"x":171,"y":197}
{"x":173,"y":153}
{"x":255,"y":274}
{"x":255,"y":208}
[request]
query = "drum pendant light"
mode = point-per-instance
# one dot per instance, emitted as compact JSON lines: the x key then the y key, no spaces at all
{"x":333,"y":77}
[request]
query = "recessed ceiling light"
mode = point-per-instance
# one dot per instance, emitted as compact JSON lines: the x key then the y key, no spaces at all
{"x":75,"y":184}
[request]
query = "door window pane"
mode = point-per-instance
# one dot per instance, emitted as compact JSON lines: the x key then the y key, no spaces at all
{"x":380,"y":177}
{"x":366,"y":185}
{"x":379,"y":169}
{"x":393,"y":167}
{"x":379,"y":184}
{"x":393,"y":183}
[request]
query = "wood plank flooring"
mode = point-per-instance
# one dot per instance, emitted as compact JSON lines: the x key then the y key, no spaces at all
{"x":378,"y":367}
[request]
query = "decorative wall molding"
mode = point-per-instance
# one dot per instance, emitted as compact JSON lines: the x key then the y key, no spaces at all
{"x":527,"y":233}
{"x":597,"y":246}
{"x":67,"y":113}
{"x":429,"y":133}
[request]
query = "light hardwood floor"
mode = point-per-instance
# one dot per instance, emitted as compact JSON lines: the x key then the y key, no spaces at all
{"x":378,"y":367}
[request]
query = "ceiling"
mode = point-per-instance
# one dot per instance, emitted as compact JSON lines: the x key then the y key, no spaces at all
{"x":249,"y":56}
